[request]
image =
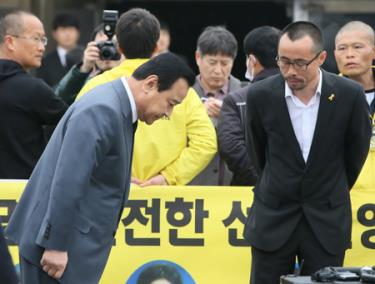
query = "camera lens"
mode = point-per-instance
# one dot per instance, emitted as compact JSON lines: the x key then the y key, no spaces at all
{"x":106,"y":53}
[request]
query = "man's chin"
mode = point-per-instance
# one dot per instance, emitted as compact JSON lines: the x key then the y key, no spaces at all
{"x":351,"y":72}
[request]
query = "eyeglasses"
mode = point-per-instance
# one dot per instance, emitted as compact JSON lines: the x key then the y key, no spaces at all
{"x":36,"y":39}
{"x":298,"y":65}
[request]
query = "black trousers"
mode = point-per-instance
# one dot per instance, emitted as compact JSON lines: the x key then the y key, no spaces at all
{"x":32,"y":274}
{"x":267,"y":267}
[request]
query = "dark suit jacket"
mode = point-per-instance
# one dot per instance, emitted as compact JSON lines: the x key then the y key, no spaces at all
{"x":318,"y":189}
{"x":7,"y":272}
{"x":75,"y":196}
{"x":231,"y":135}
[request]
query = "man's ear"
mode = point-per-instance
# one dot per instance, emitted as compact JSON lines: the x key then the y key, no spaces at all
{"x":198,"y":57}
{"x":9,"y":42}
{"x":253,"y":59}
{"x":322,"y":57}
{"x":151,"y":83}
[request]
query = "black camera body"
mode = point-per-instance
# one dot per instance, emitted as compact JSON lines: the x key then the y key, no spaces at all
{"x":108,"y":49}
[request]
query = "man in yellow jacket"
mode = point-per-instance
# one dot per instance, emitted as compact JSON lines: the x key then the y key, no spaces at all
{"x":174,"y":150}
{"x":354,"y":53}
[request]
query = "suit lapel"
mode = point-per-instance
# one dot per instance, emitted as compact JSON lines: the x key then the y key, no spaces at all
{"x":281,"y":111}
{"x":326,"y":107}
{"x":126,"y":112}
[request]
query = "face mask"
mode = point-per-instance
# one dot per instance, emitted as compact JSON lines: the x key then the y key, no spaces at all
{"x":250,"y":74}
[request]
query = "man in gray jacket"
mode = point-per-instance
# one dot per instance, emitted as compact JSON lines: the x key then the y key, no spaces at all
{"x":215,"y":54}
{"x":67,"y":217}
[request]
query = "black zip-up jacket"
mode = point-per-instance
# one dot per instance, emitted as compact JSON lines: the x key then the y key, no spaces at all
{"x":231,"y":133}
{"x":26,"y":105}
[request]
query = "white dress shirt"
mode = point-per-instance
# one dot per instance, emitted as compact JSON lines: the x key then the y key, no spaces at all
{"x":62,"y":55}
{"x":370,"y":96}
{"x":131,"y":99}
{"x":304,"y":117}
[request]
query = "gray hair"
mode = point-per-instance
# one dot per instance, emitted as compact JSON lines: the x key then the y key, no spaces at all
{"x":217,"y":40}
{"x":12,"y":24}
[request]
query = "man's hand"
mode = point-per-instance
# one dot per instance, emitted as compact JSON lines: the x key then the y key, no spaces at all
{"x":90,"y":56}
{"x":156,"y":180}
{"x":54,"y":262}
{"x":136,"y":181}
{"x":213,"y":107}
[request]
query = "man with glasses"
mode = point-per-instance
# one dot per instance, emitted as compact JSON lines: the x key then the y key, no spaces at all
{"x":308,"y":133}
{"x":26,"y":103}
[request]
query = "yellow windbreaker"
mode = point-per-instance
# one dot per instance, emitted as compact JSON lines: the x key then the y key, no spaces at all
{"x":178,"y":148}
{"x":366,"y":179}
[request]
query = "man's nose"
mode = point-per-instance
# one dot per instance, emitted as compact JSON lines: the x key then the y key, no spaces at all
{"x":41,"y":46}
{"x":349,"y":52}
{"x":217,"y":68}
{"x":291,"y":70}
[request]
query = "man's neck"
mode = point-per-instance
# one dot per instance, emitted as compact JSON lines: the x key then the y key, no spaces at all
{"x":6,"y":56}
{"x":366,"y":80}
{"x":67,"y":48}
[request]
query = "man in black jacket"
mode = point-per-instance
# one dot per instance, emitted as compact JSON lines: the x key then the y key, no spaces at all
{"x":260,"y":46}
{"x":309,"y":134}
{"x":26,"y":103}
{"x":67,"y":52}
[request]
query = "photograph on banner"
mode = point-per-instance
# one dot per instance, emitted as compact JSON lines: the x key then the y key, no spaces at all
{"x":161,"y":272}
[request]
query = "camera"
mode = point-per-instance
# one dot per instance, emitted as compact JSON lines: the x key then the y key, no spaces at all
{"x":108,"y":49}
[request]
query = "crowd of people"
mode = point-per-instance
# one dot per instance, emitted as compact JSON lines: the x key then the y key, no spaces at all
{"x":297,"y":133}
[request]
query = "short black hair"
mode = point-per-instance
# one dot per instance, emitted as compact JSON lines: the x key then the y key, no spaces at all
{"x":137,"y":33}
{"x":168,"y":67}
{"x":217,"y":40}
{"x":164,"y":26}
{"x":262,"y":42}
{"x":157,"y":272}
{"x":65,"y":20}
{"x":298,"y":30}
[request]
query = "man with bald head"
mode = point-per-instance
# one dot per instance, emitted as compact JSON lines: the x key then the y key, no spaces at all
{"x":308,"y":133}
{"x":26,"y":103}
{"x":354,"y":53}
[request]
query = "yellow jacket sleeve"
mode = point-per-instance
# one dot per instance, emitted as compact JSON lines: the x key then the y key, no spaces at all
{"x":201,"y":144}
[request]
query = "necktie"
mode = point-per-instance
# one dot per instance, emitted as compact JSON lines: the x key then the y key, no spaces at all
{"x":135,"y":125}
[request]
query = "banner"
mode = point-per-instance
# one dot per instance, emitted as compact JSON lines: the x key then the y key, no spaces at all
{"x":196,"y":231}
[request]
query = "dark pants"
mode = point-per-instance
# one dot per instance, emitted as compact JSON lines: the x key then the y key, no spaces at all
{"x":32,"y":274}
{"x":267,"y":267}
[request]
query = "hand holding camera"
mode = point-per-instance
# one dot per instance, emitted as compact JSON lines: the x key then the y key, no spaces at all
{"x":90,"y":56}
{"x":99,"y":49}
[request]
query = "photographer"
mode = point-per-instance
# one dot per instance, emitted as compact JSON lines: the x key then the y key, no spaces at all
{"x":91,"y":65}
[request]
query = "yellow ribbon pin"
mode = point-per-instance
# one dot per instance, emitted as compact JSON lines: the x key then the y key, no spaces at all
{"x":331,"y":97}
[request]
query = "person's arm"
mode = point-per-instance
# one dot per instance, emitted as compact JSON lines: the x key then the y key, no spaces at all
{"x":70,"y":85}
{"x":201,"y":146}
{"x":358,"y":138}
{"x":256,"y":136}
{"x":45,"y":105}
{"x":232,"y":144}
{"x":87,"y":139}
